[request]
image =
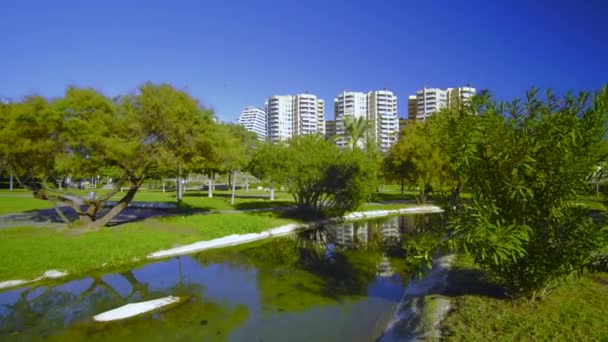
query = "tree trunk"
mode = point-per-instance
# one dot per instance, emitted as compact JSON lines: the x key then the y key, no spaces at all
{"x":271,"y":193}
{"x":210,"y":186}
{"x":163,"y":183}
{"x":233,"y":187}
{"x":10,"y":183}
{"x":247,"y":184}
{"x":402,"y":188}
{"x":120,"y":206}
{"x":179,"y":184}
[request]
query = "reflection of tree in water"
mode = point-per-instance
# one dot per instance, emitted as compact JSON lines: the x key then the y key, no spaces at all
{"x":50,"y":310}
{"x":197,"y":320}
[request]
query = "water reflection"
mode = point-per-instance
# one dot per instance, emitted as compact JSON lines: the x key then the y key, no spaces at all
{"x":263,"y":291}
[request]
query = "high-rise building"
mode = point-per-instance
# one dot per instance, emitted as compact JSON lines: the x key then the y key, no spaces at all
{"x":330,"y":129}
{"x":321,"y":116}
{"x":254,"y":119}
{"x":382,"y":117}
{"x":348,"y":103}
{"x":459,"y":95}
{"x":378,"y":107}
{"x":429,"y":101}
{"x":279,"y":109}
{"x":292,"y":115}
{"x":412,"y":107}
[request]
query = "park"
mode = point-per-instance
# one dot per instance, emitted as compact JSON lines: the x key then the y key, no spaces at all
{"x":113,"y":207}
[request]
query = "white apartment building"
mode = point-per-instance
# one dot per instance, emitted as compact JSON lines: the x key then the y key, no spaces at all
{"x":291,"y":115}
{"x":429,"y":101}
{"x":348,"y":103}
{"x":459,"y":95}
{"x":279,"y":109}
{"x":383,"y":118}
{"x":254,"y":119}
{"x":378,"y":107}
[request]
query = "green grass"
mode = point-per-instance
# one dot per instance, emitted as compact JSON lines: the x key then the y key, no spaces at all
{"x":20,"y":201}
{"x":576,"y":311}
{"x":17,"y":201}
{"x":27,"y":252}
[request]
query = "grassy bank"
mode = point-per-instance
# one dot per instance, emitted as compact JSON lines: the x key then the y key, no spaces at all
{"x":575,"y":311}
{"x":27,"y":252}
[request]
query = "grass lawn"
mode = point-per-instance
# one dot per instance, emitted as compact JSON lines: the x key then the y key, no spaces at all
{"x":27,"y":252}
{"x":17,"y":201}
{"x":576,"y":311}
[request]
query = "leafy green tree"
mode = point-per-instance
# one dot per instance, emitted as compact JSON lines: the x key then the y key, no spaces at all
{"x":329,"y":180}
{"x":418,"y":155}
{"x":85,"y":133}
{"x":524,"y":164}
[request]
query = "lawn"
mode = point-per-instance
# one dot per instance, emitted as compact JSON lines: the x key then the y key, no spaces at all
{"x":27,"y":252}
{"x":575,"y":311}
{"x":17,"y":201}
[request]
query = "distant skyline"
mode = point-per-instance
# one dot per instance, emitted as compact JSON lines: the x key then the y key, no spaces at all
{"x":231,"y":54}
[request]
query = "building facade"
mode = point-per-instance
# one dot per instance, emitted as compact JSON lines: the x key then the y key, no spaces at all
{"x":382,"y":117}
{"x":378,"y":107}
{"x":254,"y":119}
{"x":460,"y":95}
{"x":279,"y":109}
{"x":348,"y":103}
{"x":412,"y":107}
{"x":430,"y":100}
{"x":292,"y":115}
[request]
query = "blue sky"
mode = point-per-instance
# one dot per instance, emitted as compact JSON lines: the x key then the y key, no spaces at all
{"x":230,"y":54}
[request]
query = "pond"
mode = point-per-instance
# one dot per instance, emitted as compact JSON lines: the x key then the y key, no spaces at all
{"x":337,"y":283}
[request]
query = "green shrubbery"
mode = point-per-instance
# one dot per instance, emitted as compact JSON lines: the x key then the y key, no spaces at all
{"x":525,"y":164}
{"x":321,"y":177}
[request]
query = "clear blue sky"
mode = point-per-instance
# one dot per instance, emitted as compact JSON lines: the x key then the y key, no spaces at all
{"x":230,"y":54}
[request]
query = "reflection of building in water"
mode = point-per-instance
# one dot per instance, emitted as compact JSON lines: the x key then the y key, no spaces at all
{"x":390,"y":230}
{"x":345,"y":234}
{"x":384,"y":268}
{"x":363,"y":233}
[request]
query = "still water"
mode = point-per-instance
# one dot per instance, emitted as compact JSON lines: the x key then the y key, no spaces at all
{"x":337,"y":283}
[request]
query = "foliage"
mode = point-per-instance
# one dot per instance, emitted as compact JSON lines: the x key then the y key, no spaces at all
{"x":419,"y":156}
{"x":320,"y":176}
{"x":525,"y":165}
{"x":355,"y":130}
{"x":85,"y":133}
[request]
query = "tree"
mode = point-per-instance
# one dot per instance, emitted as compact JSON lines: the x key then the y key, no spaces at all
{"x":418,"y":155}
{"x":329,"y":180}
{"x":524,"y":165}
{"x":84,"y":133}
{"x":355,"y":128}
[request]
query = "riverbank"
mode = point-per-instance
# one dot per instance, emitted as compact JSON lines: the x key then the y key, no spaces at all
{"x":575,"y":311}
{"x":28,"y":252}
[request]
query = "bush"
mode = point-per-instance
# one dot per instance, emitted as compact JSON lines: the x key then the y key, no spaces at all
{"x":525,"y":166}
{"x":321,"y":177}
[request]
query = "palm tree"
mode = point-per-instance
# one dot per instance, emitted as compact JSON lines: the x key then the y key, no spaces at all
{"x":355,"y":128}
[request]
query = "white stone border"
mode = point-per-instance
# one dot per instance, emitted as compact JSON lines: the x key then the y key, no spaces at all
{"x":135,"y":309}
{"x":50,"y":274}
{"x":237,"y":239}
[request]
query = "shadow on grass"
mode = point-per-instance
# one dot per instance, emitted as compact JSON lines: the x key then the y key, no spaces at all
{"x":471,"y":282}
